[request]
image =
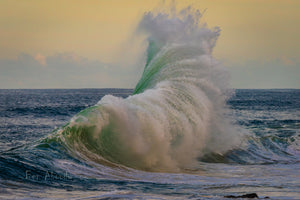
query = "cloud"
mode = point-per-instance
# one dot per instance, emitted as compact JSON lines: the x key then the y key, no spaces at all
{"x":287,"y":61}
{"x":69,"y":70}
{"x":281,"y":72}
{"x":40,"y":59}
{"x":63,"y":70}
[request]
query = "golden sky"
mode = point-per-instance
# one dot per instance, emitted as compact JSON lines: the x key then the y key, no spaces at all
{"x":251,"y":30}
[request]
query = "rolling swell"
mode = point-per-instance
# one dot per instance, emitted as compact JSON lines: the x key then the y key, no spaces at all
{"x":177,"y":111}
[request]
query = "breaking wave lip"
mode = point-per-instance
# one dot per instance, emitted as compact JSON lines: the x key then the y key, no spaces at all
{"x":177,"y":111}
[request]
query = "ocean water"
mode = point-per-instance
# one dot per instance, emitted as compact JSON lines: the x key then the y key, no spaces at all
{"x":268,"y":165}
{"x":181,"y":133}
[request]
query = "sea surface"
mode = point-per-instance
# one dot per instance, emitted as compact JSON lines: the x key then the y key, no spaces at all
{"x":32,"y":166}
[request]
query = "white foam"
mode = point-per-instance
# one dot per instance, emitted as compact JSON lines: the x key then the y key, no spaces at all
{"x":180,"y":115}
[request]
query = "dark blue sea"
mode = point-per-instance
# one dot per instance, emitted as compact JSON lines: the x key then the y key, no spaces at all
{"x":36,"y":165}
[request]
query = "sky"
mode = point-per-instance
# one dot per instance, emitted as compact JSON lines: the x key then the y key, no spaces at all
{"x":92,"y":43}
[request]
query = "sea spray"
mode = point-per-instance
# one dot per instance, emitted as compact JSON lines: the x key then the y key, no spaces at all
{"x":177,"y":112}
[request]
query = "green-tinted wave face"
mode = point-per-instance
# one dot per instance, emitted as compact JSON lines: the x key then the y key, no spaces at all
{"x":176,"y":111}
{"x":152,"y":51}
{"x":168,"y":55}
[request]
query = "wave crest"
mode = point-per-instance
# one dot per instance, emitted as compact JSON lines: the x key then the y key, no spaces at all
{"x":177,"y":112}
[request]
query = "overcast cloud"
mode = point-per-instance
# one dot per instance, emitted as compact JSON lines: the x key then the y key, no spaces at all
{"x":65,"y":70}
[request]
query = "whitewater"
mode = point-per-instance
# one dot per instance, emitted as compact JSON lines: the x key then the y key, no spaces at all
{"x":176,"y":112}
{"x":181,"y":133}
